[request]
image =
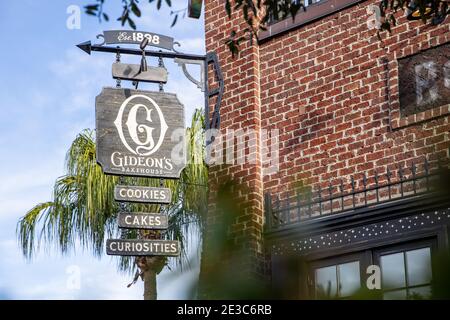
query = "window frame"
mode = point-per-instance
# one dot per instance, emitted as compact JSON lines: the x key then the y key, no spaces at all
{"x":361,"y":257}
{"x":403,"y":248}
{"x":313,"y":12}
{"x":368,"y":257}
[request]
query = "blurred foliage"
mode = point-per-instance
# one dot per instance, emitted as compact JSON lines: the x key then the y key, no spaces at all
{"x":440,"y":286}
{"x":226,"y":265}
{"x":429,"y":11}
{"x":228,"y":262}
{"x":257,"y":14}
{"x":83,"y":209}
{"x":131,"y":9}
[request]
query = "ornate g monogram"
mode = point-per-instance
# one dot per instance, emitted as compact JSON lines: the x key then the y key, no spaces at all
{"x":138,"y":137}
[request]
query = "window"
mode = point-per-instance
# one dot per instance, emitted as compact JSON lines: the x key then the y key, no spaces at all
{"x":315,"y":9}
{"x":306,"y":3}
{"x":406,"y":274}
{"x":347,"y":275}
{"x":336,"y":278}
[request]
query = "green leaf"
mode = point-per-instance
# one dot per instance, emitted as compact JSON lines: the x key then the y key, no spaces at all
{"x":232,"y":47}
{"x":93,"y":7}
{"x":379,"y":35}
{"x":83,"y":208}
{"x":135,"y":9}
{"x":393,"y":20}
{"x":293,"y":10}
{"x":174,"y":21}
{"x":382,"y":10}
{"x":158,"y":4}
{"x":228,"y":8}
{"x":253,"y":7}
{"x":264,"y":19}
{"x":131,"y":23}
{"x":386,"y":26}
{"x":124,"y":17}
{"x":169,"y":3}
{"x":233,"y":43}
{"x":240,"y":39}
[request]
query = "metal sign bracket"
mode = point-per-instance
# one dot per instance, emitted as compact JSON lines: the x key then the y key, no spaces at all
{"x":210,"y":60}
{"x":199,"y":83}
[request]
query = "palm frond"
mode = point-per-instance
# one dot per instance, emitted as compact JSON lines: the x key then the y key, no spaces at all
{"x":26,"y":228}
{"x":83,"y":208}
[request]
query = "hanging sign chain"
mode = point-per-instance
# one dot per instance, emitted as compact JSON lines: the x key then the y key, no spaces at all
{"x":180,"y":58}
{"x":117,"y":61}
{"x":149,"y":237}
{"x":161,"y":185}
{"x":122,"y":209}
{"x":161,"y":65}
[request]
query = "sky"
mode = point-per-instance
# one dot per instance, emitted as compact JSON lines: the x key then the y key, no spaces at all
{"x":48,"y":88}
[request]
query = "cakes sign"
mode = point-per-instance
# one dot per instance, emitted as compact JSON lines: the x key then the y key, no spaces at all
{"x":143,"y":220}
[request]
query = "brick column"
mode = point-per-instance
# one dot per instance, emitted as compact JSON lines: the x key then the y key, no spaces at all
{"x":240,"y":110}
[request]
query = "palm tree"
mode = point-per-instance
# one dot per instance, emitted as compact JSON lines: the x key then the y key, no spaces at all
{"x":83,"y":209}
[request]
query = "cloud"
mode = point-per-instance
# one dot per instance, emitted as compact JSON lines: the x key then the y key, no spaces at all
{"x":81,"y":75}
{"x":160,"y":21}
{"x":42,"y":173}
{"x":4,"y":294}
{"x":98,"y":278}
{"x":169,"y":281}
{"x":191,"y":45}
{"x":37,"y":128}
{"x":188,"y":94}
{"x":21,"y":189}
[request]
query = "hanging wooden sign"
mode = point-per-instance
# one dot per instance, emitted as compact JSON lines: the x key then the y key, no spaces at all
{"x":126,"y":71}
{"x":142,"y":220}
{"x":131,"y":247}
{"x":140,"y":133}
{"x":142,"y":194}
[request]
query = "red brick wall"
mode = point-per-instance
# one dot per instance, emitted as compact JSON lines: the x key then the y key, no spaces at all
{"x":324,"y":86}
{"x":240,"y":109}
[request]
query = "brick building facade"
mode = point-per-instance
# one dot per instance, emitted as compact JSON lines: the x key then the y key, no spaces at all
{"x":331,"y":88}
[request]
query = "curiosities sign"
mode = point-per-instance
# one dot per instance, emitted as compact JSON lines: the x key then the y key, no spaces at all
{"x":125,"y":247}
{"x":140,"y":133}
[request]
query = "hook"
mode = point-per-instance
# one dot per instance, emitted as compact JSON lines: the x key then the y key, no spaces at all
{"x":143,"y":44}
